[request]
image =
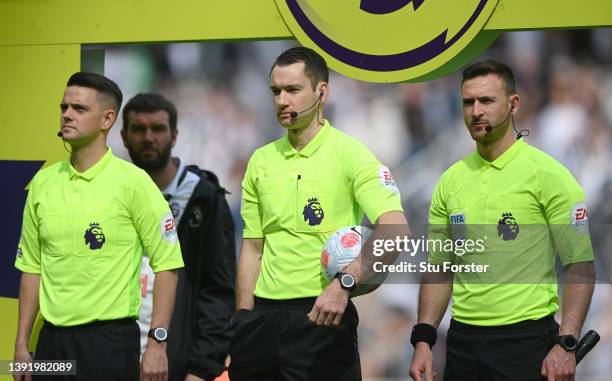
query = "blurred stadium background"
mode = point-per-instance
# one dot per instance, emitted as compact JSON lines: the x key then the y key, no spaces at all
{"x":225,"y":112}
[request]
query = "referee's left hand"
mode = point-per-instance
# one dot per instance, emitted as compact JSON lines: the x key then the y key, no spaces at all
{"x":330,"y":305}
{"x":559,"y":365}
{"x":154,"y":365}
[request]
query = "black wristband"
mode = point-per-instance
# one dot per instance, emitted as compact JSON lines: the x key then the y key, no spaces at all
{"x":424,"y":332}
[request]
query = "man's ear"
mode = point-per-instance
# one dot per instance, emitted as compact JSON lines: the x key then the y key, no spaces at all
{"x":108,"y":119}
{"x":323,"y":91}
{"x":515,"y":103}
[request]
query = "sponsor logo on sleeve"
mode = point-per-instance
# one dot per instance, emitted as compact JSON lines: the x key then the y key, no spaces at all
{"x":167,"y":228}
{"x":19,"y":253}
{"x":387,"y":180}
{"x":579,"y":217}
{"x":457,"y":218}
{"x":458,"y":227}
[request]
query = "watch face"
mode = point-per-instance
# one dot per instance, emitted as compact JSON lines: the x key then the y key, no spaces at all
{"x":160,"y":334}
{"x":569,"y":342}
{"x":347,"y":280}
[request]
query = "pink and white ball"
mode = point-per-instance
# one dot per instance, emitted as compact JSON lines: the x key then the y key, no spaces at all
{"x":341,"y":249}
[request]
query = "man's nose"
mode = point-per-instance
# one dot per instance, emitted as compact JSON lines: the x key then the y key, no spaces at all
{"x":477,"y":109}
{"x":148,"y":135}
{"x":281,"y":98}
{"x":66,"y":115}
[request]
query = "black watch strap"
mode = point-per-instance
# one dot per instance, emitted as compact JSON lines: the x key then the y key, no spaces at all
{"x":159,"y":334}
{"x":347,"y":281}
{"x":424,"y":332}
{"x":568,"y":342}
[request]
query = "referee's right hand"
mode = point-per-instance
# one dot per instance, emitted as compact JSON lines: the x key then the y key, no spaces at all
{"x":422,"y":362}
{"x":22,"y":355}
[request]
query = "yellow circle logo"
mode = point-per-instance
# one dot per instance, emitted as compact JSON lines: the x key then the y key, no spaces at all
{"x":391,"y":40}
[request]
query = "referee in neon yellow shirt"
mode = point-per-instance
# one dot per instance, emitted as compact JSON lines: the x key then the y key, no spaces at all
{"x":525,"y":206}
{"x":86,"y":223}
{"x":291,"y":324}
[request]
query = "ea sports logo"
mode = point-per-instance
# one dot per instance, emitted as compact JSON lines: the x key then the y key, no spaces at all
{"x":391,"y":40}
{"x":167,"y":228}
{"x":579,"y":217}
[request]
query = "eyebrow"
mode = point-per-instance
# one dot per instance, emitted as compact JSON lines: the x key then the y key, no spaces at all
{"x":74,"y":105}
{"x":158,"y":125}
{"x":291,"y":86}
{"x":482,"y":98}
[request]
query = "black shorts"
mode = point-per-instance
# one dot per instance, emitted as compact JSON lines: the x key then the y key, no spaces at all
{"x":104,"y":350}
{"x":513,"y":352}
{"x":276,"y":341}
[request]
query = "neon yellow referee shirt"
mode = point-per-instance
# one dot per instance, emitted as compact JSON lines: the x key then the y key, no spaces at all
{"x":525,"y":206}
{"x":295,"y":200}
{"x":84,"y":233}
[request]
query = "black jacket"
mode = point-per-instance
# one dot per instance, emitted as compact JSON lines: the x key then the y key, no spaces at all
{"x":200,"y":331}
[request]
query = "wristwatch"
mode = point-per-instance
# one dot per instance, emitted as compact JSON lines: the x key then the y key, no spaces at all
{"x":347,"y":281}
{"x":159,"y":334}
{"x":568,"y":342}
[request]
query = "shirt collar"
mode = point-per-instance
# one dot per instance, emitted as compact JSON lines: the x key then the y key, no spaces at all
{"x":312,"y":147}
{"x":172,"y":188}
{"x":505,"y":157}
{"x":93,"y":171}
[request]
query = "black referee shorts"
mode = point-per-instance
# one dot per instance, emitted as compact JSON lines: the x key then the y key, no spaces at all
{"x":276,"y":341}
{"x":104,"y":350}
{"x":512,"y":352}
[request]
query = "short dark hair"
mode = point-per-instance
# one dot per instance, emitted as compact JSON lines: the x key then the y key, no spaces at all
{"x":100,"y":83}
{"x":315,"y":66}
{"x":497,"y":68}
{"x":150,"y":102}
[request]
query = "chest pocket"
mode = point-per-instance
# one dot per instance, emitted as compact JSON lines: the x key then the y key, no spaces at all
{"x":315,"y":208}
{"x":78,"y":232}
{"x":275,"y":199}
{"x":524,"y":209}
{"x":54,"y":228}
{"x":516,"y":220}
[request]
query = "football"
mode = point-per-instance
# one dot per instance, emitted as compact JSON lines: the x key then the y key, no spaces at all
{"x":341,"y":249}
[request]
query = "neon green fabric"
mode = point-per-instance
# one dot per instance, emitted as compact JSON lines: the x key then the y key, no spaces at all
{"x":296,"y":200}
{"x":84,"y":233}
{"x":525,"y":206}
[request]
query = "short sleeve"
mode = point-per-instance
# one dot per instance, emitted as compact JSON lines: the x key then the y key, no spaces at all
{"x":373,"y":184}
{"x":250,"y":209}
{"x":565,"y":210}
{"x":28,"y":250}
{"x":439,"y":229}
{"x":155,"y":225}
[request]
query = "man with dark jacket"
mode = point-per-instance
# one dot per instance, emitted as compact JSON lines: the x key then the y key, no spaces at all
{"x":198,"y":339}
